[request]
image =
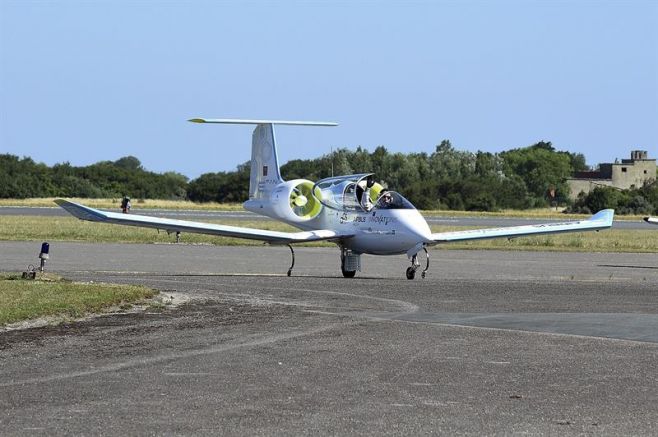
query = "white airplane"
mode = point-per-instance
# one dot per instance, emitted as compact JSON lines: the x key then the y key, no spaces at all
{"x":652,"y":220}
{"x":353,"y":211}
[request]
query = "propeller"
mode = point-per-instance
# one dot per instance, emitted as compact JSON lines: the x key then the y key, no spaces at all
{"x":300,"y":202}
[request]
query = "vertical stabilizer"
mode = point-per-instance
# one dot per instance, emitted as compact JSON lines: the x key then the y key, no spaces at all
{"x":265,"y":174}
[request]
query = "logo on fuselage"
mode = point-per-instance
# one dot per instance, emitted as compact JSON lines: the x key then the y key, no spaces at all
{"x":382,"y":219}
{"x":360,"y":218}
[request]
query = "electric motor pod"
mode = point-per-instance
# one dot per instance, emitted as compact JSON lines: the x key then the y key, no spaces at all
{"x":295,"y":200}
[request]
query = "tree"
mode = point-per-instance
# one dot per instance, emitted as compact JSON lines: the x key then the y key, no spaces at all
{"x":221,"y":186}
{"x":129,"y":163}
{"x":540,"y":168}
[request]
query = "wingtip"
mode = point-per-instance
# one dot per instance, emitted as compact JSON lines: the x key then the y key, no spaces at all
{"x":605,"y":215}
{"x":196,"y":120}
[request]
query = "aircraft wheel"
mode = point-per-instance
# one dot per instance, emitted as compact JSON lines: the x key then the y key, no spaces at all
{"x":411,"y":273}
{"x":348,"y":273}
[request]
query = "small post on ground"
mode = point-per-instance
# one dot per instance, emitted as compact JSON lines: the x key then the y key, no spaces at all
{"x":44,"y":255}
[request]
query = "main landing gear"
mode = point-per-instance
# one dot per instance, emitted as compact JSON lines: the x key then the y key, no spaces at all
{"x":347,"y":273}
{"x":415,"y":264}
{"x":292,"y":253}
{"x":350,"y":262}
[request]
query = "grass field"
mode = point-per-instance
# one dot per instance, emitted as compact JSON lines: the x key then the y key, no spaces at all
{"x":32,"y":228}
{"x":114,"y":204}
{"x":52,"y":296}
{"x":136,"y":203}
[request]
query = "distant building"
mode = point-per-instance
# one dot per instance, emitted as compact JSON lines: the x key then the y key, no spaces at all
{"x":629,"y":173}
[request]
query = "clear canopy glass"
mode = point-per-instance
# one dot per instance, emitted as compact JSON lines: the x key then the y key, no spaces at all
{"x":351,"y":193}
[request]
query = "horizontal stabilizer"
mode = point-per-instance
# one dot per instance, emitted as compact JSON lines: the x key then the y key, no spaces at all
{"x":275,"y":237}
{"x":282,"y":122}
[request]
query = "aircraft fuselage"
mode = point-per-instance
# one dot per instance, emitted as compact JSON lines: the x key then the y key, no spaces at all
{"x":378,"y":232}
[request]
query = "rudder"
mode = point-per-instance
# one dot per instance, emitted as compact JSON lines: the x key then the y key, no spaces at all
{"x":265,"y":174}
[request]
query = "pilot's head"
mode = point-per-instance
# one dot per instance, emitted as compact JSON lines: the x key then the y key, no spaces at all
{"x":370,"y":182}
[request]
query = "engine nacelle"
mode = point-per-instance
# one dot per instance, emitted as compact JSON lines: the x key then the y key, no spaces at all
{"x":291,"y":201}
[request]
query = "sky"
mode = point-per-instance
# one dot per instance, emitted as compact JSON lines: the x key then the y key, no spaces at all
{"x":86,"y":81}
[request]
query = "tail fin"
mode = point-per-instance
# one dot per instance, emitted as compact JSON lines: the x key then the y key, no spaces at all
{"x":265,"y":174}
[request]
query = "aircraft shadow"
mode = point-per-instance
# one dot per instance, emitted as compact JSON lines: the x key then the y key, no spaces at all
{"x":229,"y":275}
{"x":265,"y":275}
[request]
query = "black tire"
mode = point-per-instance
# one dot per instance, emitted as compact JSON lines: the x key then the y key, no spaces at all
{"x":348,"y":273}
{"x":411,"y":273}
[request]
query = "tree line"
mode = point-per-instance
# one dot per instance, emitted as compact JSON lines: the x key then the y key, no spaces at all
{"x":22,"y":178}
{"x":447,"y":178}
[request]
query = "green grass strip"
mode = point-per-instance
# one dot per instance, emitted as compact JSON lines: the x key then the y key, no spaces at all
{"x":30,"y":299}
{"x":115,"y":204}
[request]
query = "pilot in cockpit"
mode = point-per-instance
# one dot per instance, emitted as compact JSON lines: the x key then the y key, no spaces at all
{"x":386,"y":199}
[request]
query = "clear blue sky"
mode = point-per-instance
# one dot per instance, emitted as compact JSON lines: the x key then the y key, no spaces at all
{"x":83,"y":81}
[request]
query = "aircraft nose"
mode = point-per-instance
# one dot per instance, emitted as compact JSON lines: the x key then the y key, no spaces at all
{"x":416,"y":225}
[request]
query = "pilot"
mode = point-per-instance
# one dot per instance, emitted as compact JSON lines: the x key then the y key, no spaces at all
{"x":365,"y":199}
{"x":387,"y":199}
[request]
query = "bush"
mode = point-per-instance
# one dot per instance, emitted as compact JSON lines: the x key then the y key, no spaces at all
{"x":630,"y":201}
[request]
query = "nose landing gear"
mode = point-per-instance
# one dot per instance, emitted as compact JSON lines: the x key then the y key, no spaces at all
{"x":415,"y":264}
{"x":411,"y":271}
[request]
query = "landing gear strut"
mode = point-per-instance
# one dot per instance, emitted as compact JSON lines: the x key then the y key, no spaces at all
{"x":292,"y":253}
{"x":411,"y":271}
{"x":349,"y":262}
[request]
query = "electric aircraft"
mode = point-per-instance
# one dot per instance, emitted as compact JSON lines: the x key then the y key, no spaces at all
{"x":353,"y":211}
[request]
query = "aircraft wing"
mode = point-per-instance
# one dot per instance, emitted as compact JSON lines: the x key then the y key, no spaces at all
{"x":601,"y":220}
{"x":652,"y":220}
{"x":275,"y":237}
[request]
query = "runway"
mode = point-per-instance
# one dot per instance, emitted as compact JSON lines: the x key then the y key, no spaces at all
{"x":489,"y":343}
{"x":249,"y":216}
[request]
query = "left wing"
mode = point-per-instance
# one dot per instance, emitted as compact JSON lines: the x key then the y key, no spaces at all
{"x":275,"y":237}
{"x":601,"y":220}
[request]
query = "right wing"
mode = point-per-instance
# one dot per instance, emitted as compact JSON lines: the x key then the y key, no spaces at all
{"x":275,"y":237}
{"x":600,"y":220}
{"x":652,"y":220}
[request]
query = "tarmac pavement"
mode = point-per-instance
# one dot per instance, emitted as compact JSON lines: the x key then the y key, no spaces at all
{"x":490,"y":342}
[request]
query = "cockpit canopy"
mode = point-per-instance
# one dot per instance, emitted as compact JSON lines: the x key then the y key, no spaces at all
{"x":351,"y":193}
